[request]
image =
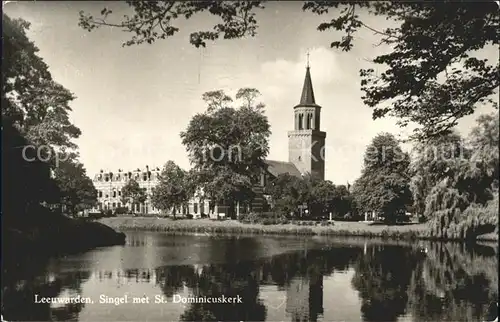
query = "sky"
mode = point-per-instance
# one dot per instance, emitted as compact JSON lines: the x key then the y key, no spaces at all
{"x":132,"y":102}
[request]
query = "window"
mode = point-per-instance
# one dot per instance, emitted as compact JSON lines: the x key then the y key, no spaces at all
{"x":100,"y":194}
{"x":119,"y":192}
{"x":114,"y":205}
{"x":114,"y":193}
{"x":195,"y":208}
{"x":309,"y":121}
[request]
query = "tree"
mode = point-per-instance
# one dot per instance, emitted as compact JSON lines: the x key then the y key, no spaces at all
{"x":484,"y":141}
{"x":174,"y":189}
{"x":323,"y":195}
{"x":77,"y":190}
{"x":432,"y":75}
{"x":35,"y":116}
{"x":463,"y":204}
{"x":31,"y":99}
{"x":342,"y":203}
{"x":133,"y":194}
{"x":384,"y":184}
{"x":328,"y":198}
{"x":25,"y":184}
{"x":287,"y":193}
{"x":227,"y":146}
{"x":432,"y":162}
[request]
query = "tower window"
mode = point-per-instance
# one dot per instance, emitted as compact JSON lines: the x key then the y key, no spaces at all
{"x":300,"y":158}
{"x":301,"y":121}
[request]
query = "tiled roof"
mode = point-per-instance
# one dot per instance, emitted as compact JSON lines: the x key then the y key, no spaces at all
{"x":280,"y":167}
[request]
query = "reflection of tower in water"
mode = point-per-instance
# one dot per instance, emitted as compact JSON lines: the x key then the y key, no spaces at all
{"x":297,"y":299}
{"x":304,"y":298}
{"x":304,"y":295}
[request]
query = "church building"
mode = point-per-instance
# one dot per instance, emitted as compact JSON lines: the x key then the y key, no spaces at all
{"x":306,"y":142}
{"x":306,"y":156}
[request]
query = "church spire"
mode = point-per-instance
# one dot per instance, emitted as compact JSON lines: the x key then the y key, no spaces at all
{"x":307,"y":97}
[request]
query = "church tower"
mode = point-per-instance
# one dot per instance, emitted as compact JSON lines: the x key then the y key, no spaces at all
{"x":306,"y":143}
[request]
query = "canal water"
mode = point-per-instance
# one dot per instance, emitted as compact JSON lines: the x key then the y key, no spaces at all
{"x":274,"y":278}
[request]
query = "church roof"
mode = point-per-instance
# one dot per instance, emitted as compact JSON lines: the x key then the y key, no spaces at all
{"x":307,"y":97}
{"x":281,"y":167}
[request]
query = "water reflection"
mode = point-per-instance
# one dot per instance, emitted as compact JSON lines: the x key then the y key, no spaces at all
{"x":311,"y":280}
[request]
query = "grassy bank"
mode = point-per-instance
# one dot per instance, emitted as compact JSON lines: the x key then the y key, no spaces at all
{"x":397,"y":232}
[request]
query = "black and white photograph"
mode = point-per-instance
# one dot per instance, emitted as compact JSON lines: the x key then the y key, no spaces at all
{"x":250,"y":161}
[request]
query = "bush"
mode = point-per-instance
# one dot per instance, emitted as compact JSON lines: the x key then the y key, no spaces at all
{"x":265,"y":218}
{"x":95,"y":215}
{"x":121,"y":211}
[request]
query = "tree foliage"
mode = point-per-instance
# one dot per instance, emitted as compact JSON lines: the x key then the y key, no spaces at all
{"x":155,"y":20}
{"x":287,"y":193}
{"x":174,"y":189}
{"x":227,"y":145}
{"x":321,"y":197}
{"x":36,"y":122}
{"x":77,"y":191}
{"x":329,"y":198}
{"x":25,"y":184}
{"x":133,"y":194}
{"x":463,"y":203}
{"x":433,"y":161}
{"x":31,"y":99}
{"x":432,"y":75}
{"x":383,"y":186}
